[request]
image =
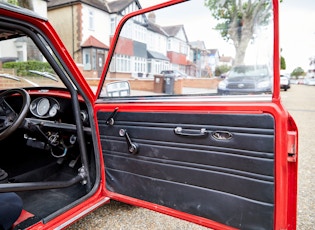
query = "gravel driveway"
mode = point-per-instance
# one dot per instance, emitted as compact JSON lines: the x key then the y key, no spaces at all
{"x":300,"y":101}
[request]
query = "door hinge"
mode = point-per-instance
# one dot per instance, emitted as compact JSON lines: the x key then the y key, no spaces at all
{"x":292,"y":146}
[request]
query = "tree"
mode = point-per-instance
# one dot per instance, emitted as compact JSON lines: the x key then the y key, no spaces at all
{"x":23,"y":3}
{"x":283,"y":65}
{"x":221,"y":69}
{"x":298,"y":71}
{"x":237,"y":21}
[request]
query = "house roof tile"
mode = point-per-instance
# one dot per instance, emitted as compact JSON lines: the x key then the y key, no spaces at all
{"x":156,"y":28}
{"x":172,"y":30}
{"x":115,"y":6}
{"x":61,"y":3}
{"x":119,"y":5}
{"x":93,"y":42}
{"x":198,"y":45}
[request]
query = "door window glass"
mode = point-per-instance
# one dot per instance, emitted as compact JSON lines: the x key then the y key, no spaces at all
{"x":220,"y":49}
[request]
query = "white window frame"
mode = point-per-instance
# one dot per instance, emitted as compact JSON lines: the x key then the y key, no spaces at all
{"x":91,"y":20}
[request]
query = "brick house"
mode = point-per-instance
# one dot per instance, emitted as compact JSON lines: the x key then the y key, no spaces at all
{"x":87,"y":26}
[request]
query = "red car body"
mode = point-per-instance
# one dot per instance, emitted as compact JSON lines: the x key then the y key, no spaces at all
{"x":160,"y":171}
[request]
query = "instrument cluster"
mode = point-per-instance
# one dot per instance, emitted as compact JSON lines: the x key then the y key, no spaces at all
{"x":44,"y":107}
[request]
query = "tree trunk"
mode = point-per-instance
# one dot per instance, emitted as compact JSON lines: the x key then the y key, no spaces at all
{"x":240,"y":50}
{"x":241,"y":29}
{"x":241,"y":32}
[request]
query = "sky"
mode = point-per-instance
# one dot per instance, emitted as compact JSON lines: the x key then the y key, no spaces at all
{"x":297,"y":30}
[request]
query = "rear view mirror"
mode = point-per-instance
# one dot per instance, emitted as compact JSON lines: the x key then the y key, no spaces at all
{"x":118,"y":89}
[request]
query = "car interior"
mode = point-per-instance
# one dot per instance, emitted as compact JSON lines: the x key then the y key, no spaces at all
{"x":43,"y":154}
{"x":45,"y":137}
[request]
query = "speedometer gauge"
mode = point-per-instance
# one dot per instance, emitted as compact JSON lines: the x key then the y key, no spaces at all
{"x":43,"y":106}
{"x":53,"y":110}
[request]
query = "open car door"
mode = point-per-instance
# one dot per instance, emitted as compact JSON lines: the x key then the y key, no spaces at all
{"x":178,"y":145}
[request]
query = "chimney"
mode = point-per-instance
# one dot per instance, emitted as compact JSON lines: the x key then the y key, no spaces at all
{"x":152,"y":17}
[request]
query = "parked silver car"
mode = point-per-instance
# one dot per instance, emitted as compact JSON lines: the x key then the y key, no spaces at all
{"x":175,"y":73}
{"x":309,"y":81}
{"x":285,"y":83}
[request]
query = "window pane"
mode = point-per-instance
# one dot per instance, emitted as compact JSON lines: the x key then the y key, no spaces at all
{"x":180,"y":53}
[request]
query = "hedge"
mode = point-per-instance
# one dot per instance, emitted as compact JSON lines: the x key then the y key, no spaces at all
{"x":22,"y":68}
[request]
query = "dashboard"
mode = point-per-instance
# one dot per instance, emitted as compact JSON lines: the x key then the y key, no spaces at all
{"x":54,"y":108}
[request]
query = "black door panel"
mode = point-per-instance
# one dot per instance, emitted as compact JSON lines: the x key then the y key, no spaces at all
{"x":220,"y":159}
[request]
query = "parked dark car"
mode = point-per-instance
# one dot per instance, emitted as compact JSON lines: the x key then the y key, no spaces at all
{"x":247,"y":79}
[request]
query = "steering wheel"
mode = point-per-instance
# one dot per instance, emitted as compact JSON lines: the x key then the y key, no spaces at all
{"x":9,"y":119}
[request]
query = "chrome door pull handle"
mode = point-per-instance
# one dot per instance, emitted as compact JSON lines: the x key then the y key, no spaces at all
{"x":190,"y":133}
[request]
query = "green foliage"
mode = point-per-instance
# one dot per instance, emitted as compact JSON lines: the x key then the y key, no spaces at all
{"x":22,"y":68}
{"x":233,"y":14}
{"x":221,"y":69}
{"x":283,"y":63}
{"x":28,"y":4}
{"x":14,"y":2}
{"x":237,"y":19}
{"x":298,"y":72}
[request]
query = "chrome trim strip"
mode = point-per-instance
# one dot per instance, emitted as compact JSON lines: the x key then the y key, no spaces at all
{"x":146,"y":99}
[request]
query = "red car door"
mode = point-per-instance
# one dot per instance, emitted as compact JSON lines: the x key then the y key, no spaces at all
{"x":177,"y":146}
